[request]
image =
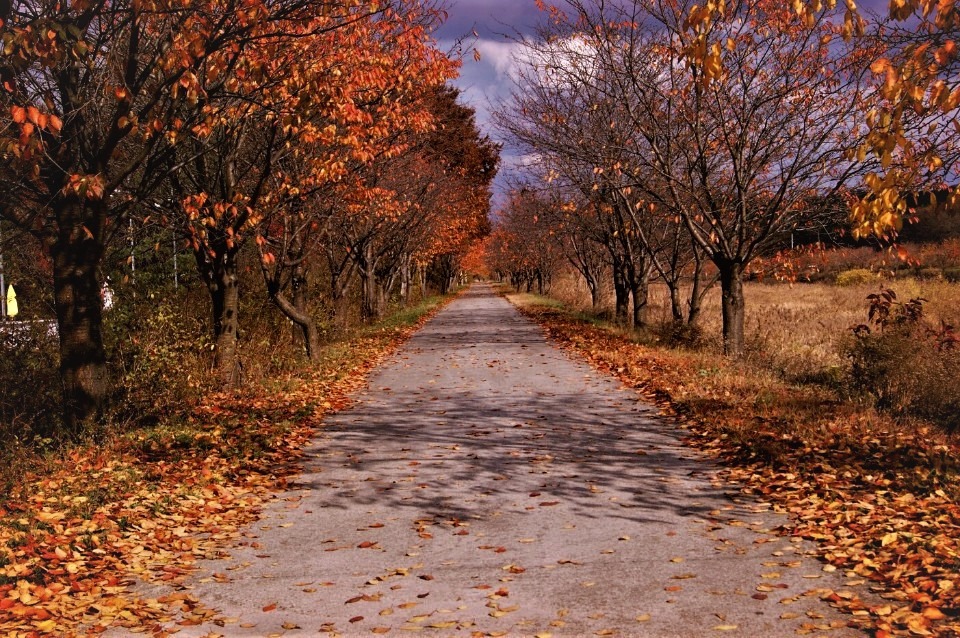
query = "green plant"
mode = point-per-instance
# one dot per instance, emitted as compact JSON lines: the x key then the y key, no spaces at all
{"x":160,"y":357}
{"x":29,"y":403}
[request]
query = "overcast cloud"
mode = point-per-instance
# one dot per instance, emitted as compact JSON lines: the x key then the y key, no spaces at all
{"x":486,"y":83}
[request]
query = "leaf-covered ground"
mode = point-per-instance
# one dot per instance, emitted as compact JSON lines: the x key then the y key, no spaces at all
{"x":149,"y":504}
{"x":879,"y":498}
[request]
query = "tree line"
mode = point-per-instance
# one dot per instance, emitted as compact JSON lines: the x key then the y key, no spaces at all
{"x":317,"y":135}
{"x":677,"y":141}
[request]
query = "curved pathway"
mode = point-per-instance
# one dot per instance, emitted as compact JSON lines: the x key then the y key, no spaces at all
{"x":487,"y":484}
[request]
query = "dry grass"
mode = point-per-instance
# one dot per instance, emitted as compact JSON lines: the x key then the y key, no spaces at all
{"x":796,"y":330}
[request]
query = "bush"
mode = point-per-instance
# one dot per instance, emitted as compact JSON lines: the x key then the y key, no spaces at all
{"x":160,"y":358}
{"x":929,"y":273}
{"x":29,"y":364}
{"x":905,"y":364}
{"x":856,"y":277}
{"x":952,"y":275}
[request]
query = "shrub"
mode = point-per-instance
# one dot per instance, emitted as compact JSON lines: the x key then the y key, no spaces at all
{"x":906,"y":364}
{"x":929,"y":273}
{"x":160,"y":358}
{"x":856,"y":277}
{"x":29,"y":364}
{"x":952,"y":275}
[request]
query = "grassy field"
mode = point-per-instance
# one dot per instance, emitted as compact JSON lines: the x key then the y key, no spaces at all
{"x":799,"y":330}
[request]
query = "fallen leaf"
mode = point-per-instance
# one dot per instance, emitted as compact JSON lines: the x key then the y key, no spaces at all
{"x":443,"y":624}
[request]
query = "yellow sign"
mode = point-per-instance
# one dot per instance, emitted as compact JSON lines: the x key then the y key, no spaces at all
{"x":12,"y":308}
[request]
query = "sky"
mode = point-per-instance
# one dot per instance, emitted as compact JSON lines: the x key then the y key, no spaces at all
{"x":485,"y":83}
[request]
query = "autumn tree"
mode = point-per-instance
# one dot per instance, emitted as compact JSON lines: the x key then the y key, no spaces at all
{"x":319,"y":98}
{"x":469,"y":162}
{"x":92,"y":94}
{"x":914,"y":133}
{"x":735,"y":144}
{"x":583,"y":240}
{"x":423,"y":205}
{"x":523,"y":244}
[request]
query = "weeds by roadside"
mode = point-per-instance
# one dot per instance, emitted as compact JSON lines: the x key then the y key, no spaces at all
{"x":878,"y":496}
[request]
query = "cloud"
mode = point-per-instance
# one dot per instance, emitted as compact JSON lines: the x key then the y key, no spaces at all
{"x":486,"y":83}
{"x":502,"y":56}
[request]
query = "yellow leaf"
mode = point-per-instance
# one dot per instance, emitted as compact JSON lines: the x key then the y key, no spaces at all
{"x":889,"y":538}
{"x":47,"y":626}
{"x":725,"y":627}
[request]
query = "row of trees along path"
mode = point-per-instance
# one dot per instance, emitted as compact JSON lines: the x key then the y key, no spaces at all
{"x":293,"y":130}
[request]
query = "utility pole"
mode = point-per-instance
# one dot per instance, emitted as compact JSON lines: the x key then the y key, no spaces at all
{"x":3,"y":284}
{"x":176,"y":271}
{"x":133,"y":256}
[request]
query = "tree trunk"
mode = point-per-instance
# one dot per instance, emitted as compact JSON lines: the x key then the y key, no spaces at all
{"x":368,"y":296}
{"x":83,"y":363}
{"x":383,"y":296}
{"x":304,"y":322}
{"x":369,"y":290}
{"x":622,"y":294}
{"x":640,"y":289}
{"x":731,"y":291}
{"x":676,"y":303}
{"x":594,"y":290}
{"x":696,"y":292}
{"x":405,"y":281}
{"x":219,"y":272}
{"x":297,"y":310}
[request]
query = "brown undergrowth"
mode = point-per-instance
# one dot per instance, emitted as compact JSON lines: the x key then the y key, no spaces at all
{"x":877,"y":496}
{"x":149,"y":504}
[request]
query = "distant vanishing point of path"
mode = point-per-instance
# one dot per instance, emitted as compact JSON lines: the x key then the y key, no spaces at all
{"x":487,"y":483}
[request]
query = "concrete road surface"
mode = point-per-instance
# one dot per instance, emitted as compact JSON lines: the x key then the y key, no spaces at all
{"x":487,"y":483}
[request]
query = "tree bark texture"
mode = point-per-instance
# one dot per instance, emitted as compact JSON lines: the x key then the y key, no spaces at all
{"x":731,"y":292}
{"x":76,"y":254}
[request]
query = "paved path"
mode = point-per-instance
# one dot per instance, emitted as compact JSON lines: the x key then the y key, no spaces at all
{"x":487,"y":483}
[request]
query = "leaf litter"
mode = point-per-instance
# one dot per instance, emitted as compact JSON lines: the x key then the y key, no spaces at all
{"x":75,"y":541}
{"x":878,"y":498}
